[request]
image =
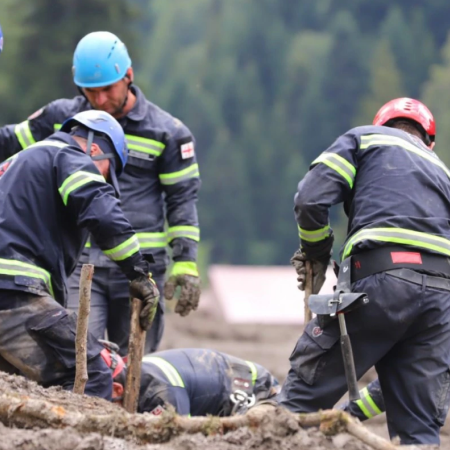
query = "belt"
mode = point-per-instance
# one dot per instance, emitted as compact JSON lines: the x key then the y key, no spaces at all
{"x":417,"y":278}
{"x":389,"y":258}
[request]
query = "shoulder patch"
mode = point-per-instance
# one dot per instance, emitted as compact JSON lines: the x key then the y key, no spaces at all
{"x":36,"y":114}
{"x":186,"y":147}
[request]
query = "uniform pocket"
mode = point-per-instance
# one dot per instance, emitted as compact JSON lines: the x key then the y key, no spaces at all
{"x":55,"y":331}
{"x":307,"y":359}
{"x":141,"y":160}
{"x":442,"y":398}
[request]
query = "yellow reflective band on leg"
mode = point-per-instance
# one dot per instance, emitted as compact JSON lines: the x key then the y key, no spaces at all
{"x":186,"y":231}
{"x":339,"y":164}
{"x":254,"y":371}
{"x":314,"y":235}
{"x":57,"y":126}
{"x":182,"y":175}
{"x":124,"y":250}
{"x":76,"y":180}
{"x":399,"y":236}
{"x":168,"y":369}
{"x":367,"y":405}
{"x":23,"y":134}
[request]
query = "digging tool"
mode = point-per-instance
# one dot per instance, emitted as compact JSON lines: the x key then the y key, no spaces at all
{"x":81,"y":375}
{"x":135,"y":354}
{"x":337,"y":304}
{"x":308,"y":291}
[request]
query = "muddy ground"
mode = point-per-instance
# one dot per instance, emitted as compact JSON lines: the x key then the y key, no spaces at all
{"x":268,"y":345}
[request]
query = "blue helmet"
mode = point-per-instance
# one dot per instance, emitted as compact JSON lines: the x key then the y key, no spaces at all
{"x":1,"y":40}
{"x":100,"y":59}
{"x":100,"y":122}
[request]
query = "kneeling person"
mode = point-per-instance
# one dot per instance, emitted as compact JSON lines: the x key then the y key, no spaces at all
{"x":195,"y":381}
{"x":52,"y":195}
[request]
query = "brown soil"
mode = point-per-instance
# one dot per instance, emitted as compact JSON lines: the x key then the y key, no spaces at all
{"x":268,"y":345}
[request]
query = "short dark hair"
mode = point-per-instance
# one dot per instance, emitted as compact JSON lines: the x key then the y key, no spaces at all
{"x":410,"y":126}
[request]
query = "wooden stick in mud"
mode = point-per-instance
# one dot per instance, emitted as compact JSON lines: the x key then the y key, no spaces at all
{"x":308,"y":291}
{"x":81,"y":375}
{"x":135,"y":354}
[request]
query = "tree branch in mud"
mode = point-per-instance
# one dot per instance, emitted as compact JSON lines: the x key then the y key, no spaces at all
{"x":81,"y":375}
{"x":25,"y":412}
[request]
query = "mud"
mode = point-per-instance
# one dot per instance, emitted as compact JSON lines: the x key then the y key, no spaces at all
{"x":267,"y":345}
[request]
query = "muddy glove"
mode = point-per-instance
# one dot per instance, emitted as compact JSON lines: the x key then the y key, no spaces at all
{"x":144,"y":289}
{"x":184,"y":274}
{"x":319,"y":270}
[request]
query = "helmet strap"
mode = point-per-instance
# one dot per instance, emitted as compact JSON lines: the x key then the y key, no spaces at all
{"x":90,"y":140}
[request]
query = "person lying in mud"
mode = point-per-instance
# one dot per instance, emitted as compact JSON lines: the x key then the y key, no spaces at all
{"x":194,"y":381}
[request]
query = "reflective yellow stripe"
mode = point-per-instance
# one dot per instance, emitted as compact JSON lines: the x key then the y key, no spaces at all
{"x":339,"y":164}
{"x":186,"y":231}
{"x":23,"y":134}
{"x":14,"y":268}
{"x":57,"y":126}
{"x":254,"y":371}
{"x":124,"y":250}
{"x":144,"y":145}
{"x":382,"y":139}
{"x":76,"y":180}
{"x":152,"y":240}
{"x":367,"y":405}
{"x":314,"y":235}
{"x":168,"y":369}
{"x":184,"y":268}
{"x":182,"y":175}
{"x":399,"y":236}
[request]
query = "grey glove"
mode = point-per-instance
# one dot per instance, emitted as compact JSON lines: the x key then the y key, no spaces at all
{"x":319,"y":270}
{"x":185,"y":275}
{"x":144,"y":289}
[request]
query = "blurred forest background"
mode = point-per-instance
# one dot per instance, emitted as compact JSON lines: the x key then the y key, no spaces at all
{"x":265,"y":86}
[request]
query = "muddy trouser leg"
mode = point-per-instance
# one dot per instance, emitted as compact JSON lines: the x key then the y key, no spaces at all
{"x":369,"y":405}
{"x":37,"y":337}
{"x":379,"y":334}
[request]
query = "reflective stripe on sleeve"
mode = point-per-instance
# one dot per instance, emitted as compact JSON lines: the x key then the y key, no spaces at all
{"x":382,"y":139}
{"x":399,"y":236}
{"x":13,"y":267}
{"x":23,"y":134}
{"x":76,"y":180}
{"x":144,"y":145}
{"x":182,"y":175}
{"x":339,"y":164}
{"x":124,"y":250}
{"x":152,"y":240}
{"x":314,"y":235}
{"x":253,"y":370}
{"x":57,"y":126}
{"x":367,"y":405}
{"x":168,"y":369}
{"x":185,"y":231}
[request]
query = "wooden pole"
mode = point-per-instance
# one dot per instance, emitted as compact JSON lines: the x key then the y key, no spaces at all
{"x":81,"y":375}
{"x":308,"y":291}
{"x":135,"y":354}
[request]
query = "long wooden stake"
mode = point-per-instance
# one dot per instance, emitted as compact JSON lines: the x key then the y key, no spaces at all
{"x":81,"y":375}
{"x":308,"y":291}
{"x":135,"y":354}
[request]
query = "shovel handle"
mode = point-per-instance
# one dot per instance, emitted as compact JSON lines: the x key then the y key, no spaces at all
{"x":135,"y":354}
{"x":308,"y":291}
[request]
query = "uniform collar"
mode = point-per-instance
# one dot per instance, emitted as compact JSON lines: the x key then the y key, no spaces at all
{"x":139,"y":110}
{"x":65,"y":137}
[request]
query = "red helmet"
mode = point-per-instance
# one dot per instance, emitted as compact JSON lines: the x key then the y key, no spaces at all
{"x":407,"y":108}
{"x":112,"y":359}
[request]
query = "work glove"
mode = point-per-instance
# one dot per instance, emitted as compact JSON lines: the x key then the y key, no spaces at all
{"x":144,"y":288}
{"x":185,"y":275}
{"x":319,"y":269}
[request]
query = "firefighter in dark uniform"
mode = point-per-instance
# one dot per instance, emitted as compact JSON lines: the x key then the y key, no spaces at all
{"x":396,"y":193}
{"x":53,"y":194}
{"x":160,"y":184}
{"x":194,"y":381}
